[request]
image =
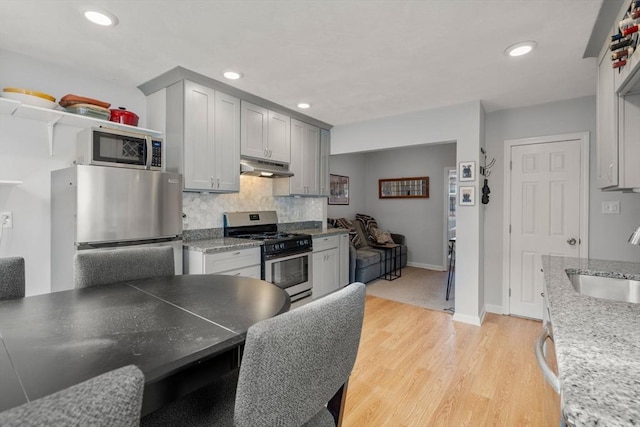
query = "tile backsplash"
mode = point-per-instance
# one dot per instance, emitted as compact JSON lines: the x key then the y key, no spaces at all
{"x":204,"y":210}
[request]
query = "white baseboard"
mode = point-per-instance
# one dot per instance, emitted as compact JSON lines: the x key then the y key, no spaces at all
{"x":471,"y":320}
{"x":426,"y":266}
{"x":493,"y":308}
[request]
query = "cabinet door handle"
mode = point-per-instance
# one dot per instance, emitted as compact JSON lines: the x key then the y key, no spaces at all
{"x":236,"y":253}
{"x":211,"y":180}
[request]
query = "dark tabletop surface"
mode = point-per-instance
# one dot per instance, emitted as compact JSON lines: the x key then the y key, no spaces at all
{"x":161,"y":325}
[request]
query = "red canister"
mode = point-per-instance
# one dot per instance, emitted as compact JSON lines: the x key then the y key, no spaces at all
{"x":121,"y":115}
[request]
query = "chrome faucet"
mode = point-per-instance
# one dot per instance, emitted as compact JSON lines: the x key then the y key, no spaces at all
{"x":634,"y":239}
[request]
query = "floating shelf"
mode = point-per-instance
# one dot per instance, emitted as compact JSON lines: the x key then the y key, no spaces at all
{"x":8,"y":182}
{"x":8,"y":106}
{"x":53,"y":117}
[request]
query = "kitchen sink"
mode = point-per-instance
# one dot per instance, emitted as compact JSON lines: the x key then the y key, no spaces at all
{"x":610,"y":288}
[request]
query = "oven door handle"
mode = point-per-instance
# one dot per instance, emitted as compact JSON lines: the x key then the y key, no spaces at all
{"x":287,"y":256}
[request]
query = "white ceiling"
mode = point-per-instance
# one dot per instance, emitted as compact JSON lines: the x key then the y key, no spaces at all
{"x":352,"y":60}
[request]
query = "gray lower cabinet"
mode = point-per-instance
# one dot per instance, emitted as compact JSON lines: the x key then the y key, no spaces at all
{"x":330,"y":264}
{"x":325,"y":266}
{"x":239,"y":262}
{"x":202,"y":135}
{"x":344,"y":259}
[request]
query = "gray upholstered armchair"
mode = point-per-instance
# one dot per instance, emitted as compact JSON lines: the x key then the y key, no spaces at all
{"x":113,"y":399}
{"x":94,"y":268}
{"x":12,"y":283}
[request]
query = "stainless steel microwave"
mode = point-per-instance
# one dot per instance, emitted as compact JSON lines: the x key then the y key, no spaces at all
{"x":114,"y":147}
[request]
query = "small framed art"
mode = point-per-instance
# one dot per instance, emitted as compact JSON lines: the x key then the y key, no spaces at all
{"x":338,"y":190}
{"x":467,"y":196}
{"x":467,"y":171}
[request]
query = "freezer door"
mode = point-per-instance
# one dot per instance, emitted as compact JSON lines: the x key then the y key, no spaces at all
{"x":127,"y":204}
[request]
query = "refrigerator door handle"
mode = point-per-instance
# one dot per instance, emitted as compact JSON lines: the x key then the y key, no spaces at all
{"x":122,"y":243}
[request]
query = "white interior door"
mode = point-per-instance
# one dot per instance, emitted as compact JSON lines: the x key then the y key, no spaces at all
{"x":547,"y":214}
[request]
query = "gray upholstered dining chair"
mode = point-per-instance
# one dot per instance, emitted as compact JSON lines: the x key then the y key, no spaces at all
{"x":112,"y":399}
{"x":94,"y":268}
{"x":11,"y":278}
{"x":294,"y":368}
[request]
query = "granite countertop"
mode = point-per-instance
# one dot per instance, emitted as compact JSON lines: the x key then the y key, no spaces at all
{"x":223,"y":244}
{"x":597,"y":343}
{"x":318,"y":232}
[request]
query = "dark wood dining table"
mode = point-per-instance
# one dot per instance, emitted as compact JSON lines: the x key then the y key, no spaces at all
{"x":182,"y":331}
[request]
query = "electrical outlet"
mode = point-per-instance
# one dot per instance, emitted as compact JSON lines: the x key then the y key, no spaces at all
{"x":6,"y":219}
{"x":611,"y":207}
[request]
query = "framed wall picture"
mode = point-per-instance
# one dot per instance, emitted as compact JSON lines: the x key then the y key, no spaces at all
{"x":404,"y":188}
{"x":467,"y":171}
{"x":467,"y":196}
{"x":338,"y":190}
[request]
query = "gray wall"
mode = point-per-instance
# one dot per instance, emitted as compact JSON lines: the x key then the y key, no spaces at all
{"x":353,"y":166}
{"x":607,"y":233}
{"x":420,"y":220}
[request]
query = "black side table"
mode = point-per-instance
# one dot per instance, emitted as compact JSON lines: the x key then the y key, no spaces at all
{"x":452,"y":265}
{"x":391,"y":254}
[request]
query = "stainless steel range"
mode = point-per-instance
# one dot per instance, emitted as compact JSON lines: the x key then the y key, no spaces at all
{"x":286,"y":257}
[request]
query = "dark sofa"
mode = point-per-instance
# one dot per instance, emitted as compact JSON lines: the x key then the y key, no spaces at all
{"x":366,"y":263}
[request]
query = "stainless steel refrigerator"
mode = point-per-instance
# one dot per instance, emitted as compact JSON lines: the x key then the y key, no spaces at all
{"x":102,"y":208}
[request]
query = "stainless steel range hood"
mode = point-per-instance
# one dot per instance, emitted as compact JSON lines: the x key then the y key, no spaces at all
{"x":264,"y":168}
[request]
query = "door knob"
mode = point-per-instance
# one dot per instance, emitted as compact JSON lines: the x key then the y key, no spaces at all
{"x":572,"y":241}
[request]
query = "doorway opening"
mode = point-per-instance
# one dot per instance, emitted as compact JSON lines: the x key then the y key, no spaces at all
{"x":450,"y":201}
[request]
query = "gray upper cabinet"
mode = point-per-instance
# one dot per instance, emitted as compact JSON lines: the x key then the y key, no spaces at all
{"x":325,"y":151}
{"x":208,"y":126}
{"x":305,"y":162}
{"x":265,"y":134}
{"x":629,"y":142}
{"x":227,"y":143}
{"x":607,"y":117}
{"x":202,"y":135}
{"x":618,"y":131}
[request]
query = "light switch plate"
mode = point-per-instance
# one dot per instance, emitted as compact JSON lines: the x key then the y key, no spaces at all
{"x":611,"y":207}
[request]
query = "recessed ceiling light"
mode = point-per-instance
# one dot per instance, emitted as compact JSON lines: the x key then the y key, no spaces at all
{"x":105,"y":19}
{"x":520,"y":49}
{"x":304,"y":105}
{"x":232,"y":75}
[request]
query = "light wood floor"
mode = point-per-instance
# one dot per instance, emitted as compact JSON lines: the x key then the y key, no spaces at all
{"x":417,"y":367}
